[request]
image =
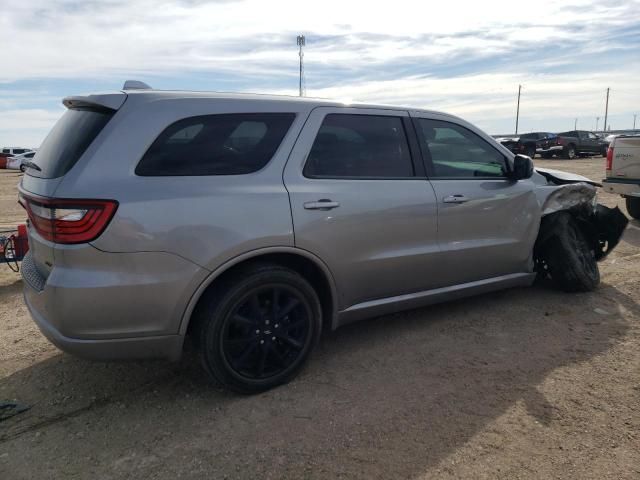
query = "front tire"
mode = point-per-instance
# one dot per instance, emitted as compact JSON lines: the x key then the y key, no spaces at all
{"x":258,"y":331}
{"x":633,"y":207}
{"x":569,"y":259}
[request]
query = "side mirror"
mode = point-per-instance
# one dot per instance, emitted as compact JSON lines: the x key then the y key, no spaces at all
{"x":522,"y":167}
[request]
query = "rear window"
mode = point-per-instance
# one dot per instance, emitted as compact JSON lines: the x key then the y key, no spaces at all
{"x":225,"y":144}
{"x":68,"y":140}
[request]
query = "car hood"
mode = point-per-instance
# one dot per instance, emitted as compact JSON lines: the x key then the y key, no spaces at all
{"x":563,"y":178}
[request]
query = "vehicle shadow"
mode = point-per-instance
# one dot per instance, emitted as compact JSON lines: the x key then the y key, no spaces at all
{"x":632,"y":233}
{"x":11,"y":289}
{"x":393,"y":396}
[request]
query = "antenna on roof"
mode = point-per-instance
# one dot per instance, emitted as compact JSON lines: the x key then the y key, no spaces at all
{"x":135,"y":85}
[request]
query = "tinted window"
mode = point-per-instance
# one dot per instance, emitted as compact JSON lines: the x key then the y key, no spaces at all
{"x":529,"y":136}
{"x":360,"y":146}
{"x":19,"y":151}
{"x":459,"y":153}
{"x":5,"y":150}
{"x":227,"y":144}
{"x":30,"y":155}
{"x":68,"y":140}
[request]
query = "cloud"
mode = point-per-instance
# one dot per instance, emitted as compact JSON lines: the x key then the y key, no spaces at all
{"x":463,"y":56}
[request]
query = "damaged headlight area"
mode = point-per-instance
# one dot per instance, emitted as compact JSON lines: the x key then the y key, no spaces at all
{"x":575,"y":233}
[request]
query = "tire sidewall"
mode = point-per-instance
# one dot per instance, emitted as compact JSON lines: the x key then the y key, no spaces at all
{"x":211,"y":337}
{"x":633,"y":207}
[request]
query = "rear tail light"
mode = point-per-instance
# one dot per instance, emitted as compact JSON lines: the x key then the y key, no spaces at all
{"x":559,"y":141}
{"x":609,"y":159}
{"x":68,"y":221}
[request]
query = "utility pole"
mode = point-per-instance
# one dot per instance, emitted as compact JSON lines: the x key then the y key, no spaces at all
{"x":606,"y":111}
{"x":301,"y":41}
{"x":518,"y":108}
{"x":634,"y":121}
{"x":575,"y":124}
{"x":597,"y":121}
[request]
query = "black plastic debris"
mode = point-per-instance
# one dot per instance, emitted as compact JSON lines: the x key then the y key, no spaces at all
{"x":9,"y":409}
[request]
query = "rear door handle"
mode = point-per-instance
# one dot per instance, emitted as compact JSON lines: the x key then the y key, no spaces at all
{"x":322,"y":204}
{"x":455,"y":199}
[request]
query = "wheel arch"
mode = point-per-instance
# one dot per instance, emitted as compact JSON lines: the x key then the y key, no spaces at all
{"x":312,"y":268}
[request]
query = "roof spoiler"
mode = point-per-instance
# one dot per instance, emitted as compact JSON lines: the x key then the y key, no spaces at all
{"x":102,"y":101}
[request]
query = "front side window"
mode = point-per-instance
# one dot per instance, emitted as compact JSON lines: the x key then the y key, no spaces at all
{"x":459,"y":153}
{"x":360,"y":146}
{"x":593,"y":136}
{"x":225,"y":144}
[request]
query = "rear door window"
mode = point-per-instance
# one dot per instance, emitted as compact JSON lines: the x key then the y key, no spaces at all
{"x":68,"y":140}
{"x":360,"y":146}
{"x":457,"y":152}
{"x":225,"y":144}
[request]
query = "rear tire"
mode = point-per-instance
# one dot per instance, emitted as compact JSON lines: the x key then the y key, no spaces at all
{"x":257,"y":331}
{"x":531,"y":151}
{"x":570,"y":152}
{"x":569,"y":259}
{"x":633,"y":207}
{"x":22,"y":168}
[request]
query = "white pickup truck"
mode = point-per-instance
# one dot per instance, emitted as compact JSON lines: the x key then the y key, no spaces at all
{"x":623,"y":171}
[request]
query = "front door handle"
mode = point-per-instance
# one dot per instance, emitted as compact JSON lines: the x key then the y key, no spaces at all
{"x":455,"y":199}
{"x":322,"y":204}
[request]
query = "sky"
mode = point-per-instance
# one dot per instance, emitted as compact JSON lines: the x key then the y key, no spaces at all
{"x":462,"y":57}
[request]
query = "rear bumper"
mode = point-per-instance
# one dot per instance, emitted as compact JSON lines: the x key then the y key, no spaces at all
{"x":621,"y":188}
{"x":167,"y":346}
{"x":107,"y":306}
{"x":554,"y":149}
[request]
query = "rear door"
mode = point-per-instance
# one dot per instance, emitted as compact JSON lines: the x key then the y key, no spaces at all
{"x":487,"y":223}
{"x":360,"y":202}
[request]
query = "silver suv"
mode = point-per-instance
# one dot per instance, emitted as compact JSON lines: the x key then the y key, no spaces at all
{"x":252,"y":222}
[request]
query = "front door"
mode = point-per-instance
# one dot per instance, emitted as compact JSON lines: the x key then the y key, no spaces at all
{"x":487,"y":223}
{"x":361,"y":203}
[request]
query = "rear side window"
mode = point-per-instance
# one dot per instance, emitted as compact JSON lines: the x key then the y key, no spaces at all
{"x":225,"y":144}
{"x":68,"y":140}
{"x":360,"y":146}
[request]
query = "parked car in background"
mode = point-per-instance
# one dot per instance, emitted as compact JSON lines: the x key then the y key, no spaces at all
{"x":17,"y":161}
{"x":623,"y":171}
{"x":250,"y":223}
{"x":577,"y":143}
{"x":529,"y":143}
{"x":16,"y":150}
{"x":3,"y":159}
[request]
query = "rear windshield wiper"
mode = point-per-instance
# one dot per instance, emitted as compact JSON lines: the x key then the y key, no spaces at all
{"x":30,"y":164}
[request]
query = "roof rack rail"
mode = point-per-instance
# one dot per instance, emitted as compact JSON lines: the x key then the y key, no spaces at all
{"x":135,"y":85}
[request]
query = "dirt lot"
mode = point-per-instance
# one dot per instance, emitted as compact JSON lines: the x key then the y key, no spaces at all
{"x":526,"y":383}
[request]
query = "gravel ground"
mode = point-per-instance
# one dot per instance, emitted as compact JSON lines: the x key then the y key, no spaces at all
{"x":524,"y":383}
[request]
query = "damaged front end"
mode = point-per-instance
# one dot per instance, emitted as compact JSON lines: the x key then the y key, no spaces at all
{"x":575,"y":231}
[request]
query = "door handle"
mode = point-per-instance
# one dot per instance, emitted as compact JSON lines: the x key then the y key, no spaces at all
{"x":322,"y":204}
{"x":455,"y":199}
